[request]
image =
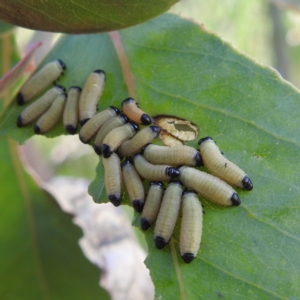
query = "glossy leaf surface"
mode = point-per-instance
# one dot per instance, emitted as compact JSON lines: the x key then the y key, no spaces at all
{"x":178,"y":68}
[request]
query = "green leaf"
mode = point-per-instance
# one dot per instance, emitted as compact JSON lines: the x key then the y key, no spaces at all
{"x":178,"y":68}
{"x":40,"y":256}
{"x":81,"y":16}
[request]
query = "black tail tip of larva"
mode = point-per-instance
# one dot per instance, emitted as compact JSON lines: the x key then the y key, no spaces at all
{"x":204,"y":139}
{"x":116,"y":110}
{"x":160,"y":242}
{"x":172,"y":172}
{"x":138,"y":205}
{"x":116,"y":201}
{"x":37,"y":129}
{"x":20,"y":121}
{"x":145,"y":224}
{"x":83,"y":121}
{"x":187,"y":257}
{"x":20,"y":99}
{"x":127,"y":100}
{"x":105,"y":150}
{"x":198,"y":160}
{"x":71,"y":129}
{"x":134,"y":126}
{"x":144,"y":148}
{"x":155,"y":129}
{"x":99,"y":71}
{"x":63,"y":65}
{"x":145,"y":119}
{"x":235,"y":200}
{"x":247,"y":183}
{"x":97,"y":149}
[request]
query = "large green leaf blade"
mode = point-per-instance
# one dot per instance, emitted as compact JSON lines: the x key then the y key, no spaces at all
{"x":180,"y":69}
{"x":81,"y":16}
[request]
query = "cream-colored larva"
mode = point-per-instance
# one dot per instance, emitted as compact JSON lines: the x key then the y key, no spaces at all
{"x":134,"y":185}
{"x":113,"y":179}
{"x":136,"y":143}
{"x":51,"y":116}
{"x":153,"y":172}
{"x":116,"y":137}
{"x":168,"y":213}
{"x":38,"y":107}
{"x":91,"y":93}
{"x":152,"y":204}
{"x":106,"y":128}
{"x":70,"y":116}
{"x":191,"y":226}
{"x":208,"y":186}
{"x":134,"y":113}
{"x":91,"y":127}
{"x":221,"y":167}
{"x":174,"y":156}
{"x":40,"y":80}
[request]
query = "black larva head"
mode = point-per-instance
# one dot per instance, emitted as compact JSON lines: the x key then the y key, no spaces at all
{"x":127,"y":100}
{"x":105,"y":150}
{"x":138,"y":205}
{"x":124,"y":118}
{"x":20,"y":99}
{"x":175,"y":182}
{"x":62,"y":64}
{"x":70,"y":129}
{"x":160,"y":242}
{"x":114,"y":200}
{"x":188,"y":192}
{"x":116,"y":110}
{"x":127,"y":161}
{"x":97,"y":149}
{"x":20,"y":121}
{"x":37,"y":129}
{"x":145,"y":119}
{"x":61,"y":87}
{"x":143,"y":149}
{"x":188,"y":257}
{"x":247,"y":183}
{"x":135,"y":156}
{"x":172,"y":172}
{"x":204,"y":139}
{"x":83,"y":121}
{"x":155,"y":128}
{"x":156,"y":183}
{"x":145,"y":224}
{"x":198,"y":160}
{"x":134,"y":126}
{"x":235,"y":200}
{"x":75,"y":87}
{"x":99,"y":72}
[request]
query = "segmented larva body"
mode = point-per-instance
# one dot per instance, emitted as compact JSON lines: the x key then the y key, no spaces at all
{"x":152,"y":204}
{"x":221,"y":167}
{"x":40,"y":80}
{"x":191,"y":226}
{"x":136,"y":143}
{"x":52,"y":116}
{"x":116,"y":137}
{"x":113,"y":179}
{"x":153,"y":172}
{"x":38,"y":107}
{"x":208,"y":186}
{"x":90,"y":95}
{"x":106,"y":128}
{"x":91,"y":127}
{"x":174,"y":156}
{"x":168,"y":213}
{"x":134,"y":185}
{"x":70,"y":116}
{"x":134,"y":113}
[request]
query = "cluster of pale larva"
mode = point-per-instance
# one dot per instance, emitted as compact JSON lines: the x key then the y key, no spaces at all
{"x":129,"y":157}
